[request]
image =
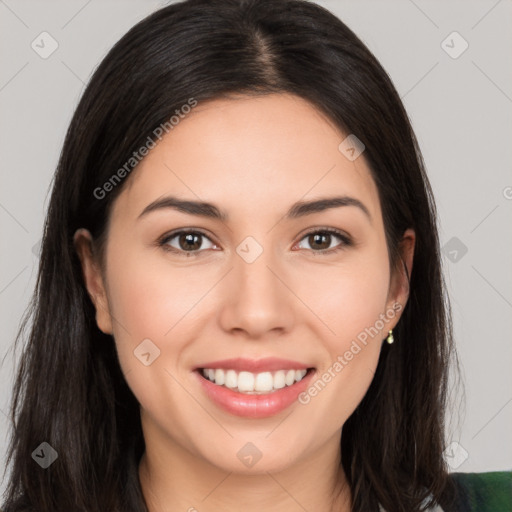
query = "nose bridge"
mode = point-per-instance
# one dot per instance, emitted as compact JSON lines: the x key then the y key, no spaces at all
{"x":257,"y":299}
{"x":252,"y":268}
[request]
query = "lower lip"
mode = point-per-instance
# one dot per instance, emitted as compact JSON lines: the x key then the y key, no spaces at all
{"x":254,"y":406}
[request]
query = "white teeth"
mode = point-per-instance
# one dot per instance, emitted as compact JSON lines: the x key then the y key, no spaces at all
{"x":254,"y":383}
{"x":279,"y":379}
{"x":219,"y":377}
{"x":264,"y":382}
{"x":290,"y":377}
{"x":231,"y":379}
{"x":245,"y":381}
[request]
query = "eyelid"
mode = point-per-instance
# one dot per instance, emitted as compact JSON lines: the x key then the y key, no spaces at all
{"x":164,"y":239}
{"x":346,"y":239}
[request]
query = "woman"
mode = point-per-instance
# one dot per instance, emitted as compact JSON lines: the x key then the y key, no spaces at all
{"x":239,"y":302}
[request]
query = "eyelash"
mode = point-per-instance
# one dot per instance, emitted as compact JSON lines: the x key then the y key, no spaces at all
{"x":346,"y":241}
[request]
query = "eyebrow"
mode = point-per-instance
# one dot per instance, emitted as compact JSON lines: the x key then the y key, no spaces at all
{"x":209,"y":210}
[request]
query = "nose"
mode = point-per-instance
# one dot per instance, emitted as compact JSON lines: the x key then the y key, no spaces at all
{"x":258,"y":298}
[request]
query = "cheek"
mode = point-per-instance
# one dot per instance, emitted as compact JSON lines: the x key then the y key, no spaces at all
{"x":149,"y":304}
{"x":148,"y":296}
{"x":352,"y":304}
{"x":145,"y":303}
{"x":350,"y":297}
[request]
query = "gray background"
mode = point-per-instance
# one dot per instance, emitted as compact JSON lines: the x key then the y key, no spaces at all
{"x":461,"y":110}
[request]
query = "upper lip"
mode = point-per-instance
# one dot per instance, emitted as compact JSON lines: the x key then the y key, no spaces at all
{"x":267,"y":364}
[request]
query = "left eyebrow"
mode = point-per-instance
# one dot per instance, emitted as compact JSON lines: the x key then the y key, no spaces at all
{"x":209,"y":210}
{"x":186,"y":206}
{"x":301,"y":208}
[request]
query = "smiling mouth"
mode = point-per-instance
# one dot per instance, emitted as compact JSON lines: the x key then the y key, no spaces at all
{"x":254,"y":383}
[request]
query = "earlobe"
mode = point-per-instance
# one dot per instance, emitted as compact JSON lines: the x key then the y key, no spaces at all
{"x":93,"y":279}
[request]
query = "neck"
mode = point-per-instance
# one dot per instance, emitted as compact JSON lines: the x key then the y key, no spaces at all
{"x":172,"y":478}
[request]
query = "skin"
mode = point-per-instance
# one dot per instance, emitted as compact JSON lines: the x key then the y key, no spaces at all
{"x":253,"y":158}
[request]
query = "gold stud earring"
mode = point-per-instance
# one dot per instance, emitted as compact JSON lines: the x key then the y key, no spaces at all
{"x":390,"y":338}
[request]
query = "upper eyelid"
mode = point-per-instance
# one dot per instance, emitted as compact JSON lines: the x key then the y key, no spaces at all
{"x":344,"y":237}
{"x":172,"y":234}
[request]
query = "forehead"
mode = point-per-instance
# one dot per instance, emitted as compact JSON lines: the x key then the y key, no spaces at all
{"x":246,"y":153}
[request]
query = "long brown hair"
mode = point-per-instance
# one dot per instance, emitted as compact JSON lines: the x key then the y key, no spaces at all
{"x":70,"y":391}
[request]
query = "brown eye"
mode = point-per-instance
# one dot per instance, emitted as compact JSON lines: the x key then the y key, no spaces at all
{"x":190,"y":241}
{"x":321,"y":240}
{"x":186,"y":242}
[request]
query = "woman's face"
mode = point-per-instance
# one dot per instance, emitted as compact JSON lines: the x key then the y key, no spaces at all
{"x":254,"y":295}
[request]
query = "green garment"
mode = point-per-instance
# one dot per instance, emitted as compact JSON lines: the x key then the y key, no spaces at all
{"x":484,"y":492}
{"x":476,"y":492}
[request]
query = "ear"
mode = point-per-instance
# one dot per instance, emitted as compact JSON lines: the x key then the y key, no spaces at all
{"x":399,"y":287}
{"x":93,"y":279}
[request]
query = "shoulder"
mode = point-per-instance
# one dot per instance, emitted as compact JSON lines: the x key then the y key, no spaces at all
{"x":483,"y":492}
